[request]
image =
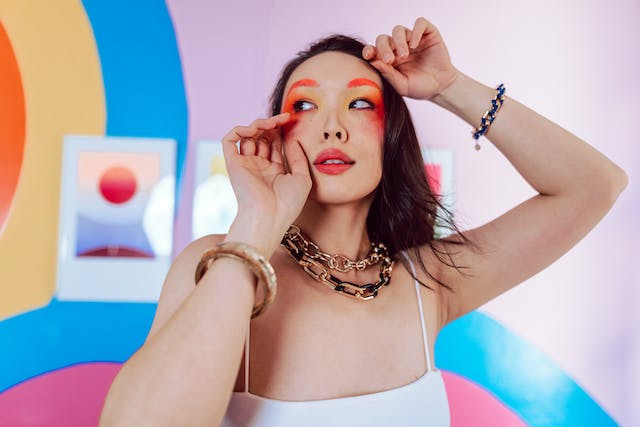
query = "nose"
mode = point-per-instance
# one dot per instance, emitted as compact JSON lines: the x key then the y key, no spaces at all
{"x":338,"y":134}
{"x":333,"y":128}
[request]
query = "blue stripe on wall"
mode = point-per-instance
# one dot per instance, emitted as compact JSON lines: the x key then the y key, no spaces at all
{"x":66,"y":333}
{"x":142,"y":73}
{"x":521,"y":376}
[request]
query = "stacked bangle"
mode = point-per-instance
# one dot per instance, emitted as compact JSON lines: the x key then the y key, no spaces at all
{"x":490,"y":115}
{"x":254,"y":260}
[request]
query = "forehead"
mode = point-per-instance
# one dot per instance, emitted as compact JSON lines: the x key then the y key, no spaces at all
{"x":333,"y":69}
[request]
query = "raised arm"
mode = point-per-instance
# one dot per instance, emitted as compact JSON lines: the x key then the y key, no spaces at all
{"x":185,"y":372}
{"x":577,"y":185}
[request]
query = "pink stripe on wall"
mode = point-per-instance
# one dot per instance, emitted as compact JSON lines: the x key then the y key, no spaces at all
{"x":472,"y":405}
{"x":71,"y":396}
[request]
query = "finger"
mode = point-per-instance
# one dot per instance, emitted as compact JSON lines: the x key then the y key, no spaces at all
{"x":239,"y":132}
{"x":369,"y":52}
{"x":391,"y":74}
{"x":272,"y":122}
{"x":384,"y":45}
{"x":400,"y":35}
{"x":230,"y":140}
{"x":229,"y":147}
{"x":247,"y":134}
{"x":419,"y":29}
{"x":276,"y":151}
{"x":263,"y":147}
{"x":281,"y":119}
{"x":230,"y":153}
{"x":247,"y":147}
{"x":264,"y":124}
{"x":297,"y":160}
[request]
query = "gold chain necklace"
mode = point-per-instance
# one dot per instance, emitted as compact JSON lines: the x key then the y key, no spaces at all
{"x":335,"y":262}
{"x":311,"y":258}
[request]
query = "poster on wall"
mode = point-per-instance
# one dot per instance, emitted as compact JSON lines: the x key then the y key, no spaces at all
{"x":214,"y":204}
{"x":116,"y":218}
{"x":439,"y":168}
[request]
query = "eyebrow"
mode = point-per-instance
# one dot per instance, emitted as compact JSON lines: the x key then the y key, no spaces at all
{"x":362,"y":82}
{"x":303,"y":83}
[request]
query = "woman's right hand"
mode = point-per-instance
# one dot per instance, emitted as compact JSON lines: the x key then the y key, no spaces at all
{"x":271,"y":192}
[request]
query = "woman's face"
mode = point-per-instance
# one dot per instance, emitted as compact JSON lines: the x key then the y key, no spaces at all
{"x":336,"y":107}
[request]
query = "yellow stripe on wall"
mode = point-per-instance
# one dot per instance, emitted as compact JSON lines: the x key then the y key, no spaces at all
{"x":60,"y":70}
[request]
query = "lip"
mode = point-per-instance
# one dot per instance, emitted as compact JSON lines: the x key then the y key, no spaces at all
{"x":333,"y":168}
{"x":332,"y":154}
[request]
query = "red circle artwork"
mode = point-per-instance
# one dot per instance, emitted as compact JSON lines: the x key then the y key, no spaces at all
{"x":118,"y":184}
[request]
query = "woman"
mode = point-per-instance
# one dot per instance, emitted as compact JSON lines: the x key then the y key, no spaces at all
{"x":339,"y":159}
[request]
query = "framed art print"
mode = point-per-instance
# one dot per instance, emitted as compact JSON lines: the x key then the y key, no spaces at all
{"x":438,"y":166}
{"x":116,"y":218}
{"x":214,"y":203}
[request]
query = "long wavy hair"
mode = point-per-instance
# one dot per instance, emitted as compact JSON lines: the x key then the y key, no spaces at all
{"x":405,"y":211}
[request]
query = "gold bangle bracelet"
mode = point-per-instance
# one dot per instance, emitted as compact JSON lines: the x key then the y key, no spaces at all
{"x":258,"y":264}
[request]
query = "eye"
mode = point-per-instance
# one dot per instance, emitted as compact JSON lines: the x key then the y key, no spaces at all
{"x":361,"y":104}
{"x":303,"y":106}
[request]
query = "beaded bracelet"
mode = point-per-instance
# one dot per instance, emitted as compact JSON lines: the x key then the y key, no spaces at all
{"x":490,"y":115}
{"x":258,"y":264}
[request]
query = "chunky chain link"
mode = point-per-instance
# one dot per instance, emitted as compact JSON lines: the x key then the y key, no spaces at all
{"x":311,"y":258}
{"x":335,"y":262}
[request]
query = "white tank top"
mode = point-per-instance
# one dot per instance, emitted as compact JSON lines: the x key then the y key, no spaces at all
{"x":420,"y":403}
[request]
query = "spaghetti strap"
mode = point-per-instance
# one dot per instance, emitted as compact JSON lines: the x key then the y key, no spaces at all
{"x":424,"y":329}
{"x":246,"y":359}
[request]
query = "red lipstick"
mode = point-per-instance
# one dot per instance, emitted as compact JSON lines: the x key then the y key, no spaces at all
{"x":333,"y":162}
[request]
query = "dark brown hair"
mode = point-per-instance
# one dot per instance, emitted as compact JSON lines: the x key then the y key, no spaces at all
{"x":404,"y":212}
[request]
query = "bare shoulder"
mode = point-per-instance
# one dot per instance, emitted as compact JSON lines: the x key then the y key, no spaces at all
{"x":180,"y":281}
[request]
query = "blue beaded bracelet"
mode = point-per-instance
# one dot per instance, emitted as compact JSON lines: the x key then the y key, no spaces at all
{"x":490,"y":115}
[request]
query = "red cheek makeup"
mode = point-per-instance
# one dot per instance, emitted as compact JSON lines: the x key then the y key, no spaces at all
{"x":290,"y":99}
{"x":374,"y":95}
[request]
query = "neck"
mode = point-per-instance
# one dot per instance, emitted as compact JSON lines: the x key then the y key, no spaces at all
{"x":337,"y":228}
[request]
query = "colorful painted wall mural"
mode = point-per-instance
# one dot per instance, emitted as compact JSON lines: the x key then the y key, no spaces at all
{"x":560,"y":350}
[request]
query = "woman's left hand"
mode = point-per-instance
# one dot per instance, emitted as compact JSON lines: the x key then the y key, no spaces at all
{"x":415,"y":62}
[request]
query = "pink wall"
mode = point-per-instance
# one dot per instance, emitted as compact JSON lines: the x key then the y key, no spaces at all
{"x":574,"y":62}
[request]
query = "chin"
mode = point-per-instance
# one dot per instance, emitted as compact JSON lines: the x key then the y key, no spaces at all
{"x":341,"y":194}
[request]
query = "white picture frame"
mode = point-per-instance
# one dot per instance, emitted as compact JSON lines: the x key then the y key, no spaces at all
{"x":117,"y":204}
{"x":214,"y":203}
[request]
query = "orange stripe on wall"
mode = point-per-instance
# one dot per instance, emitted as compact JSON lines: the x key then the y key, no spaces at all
{"x":12,"y":126}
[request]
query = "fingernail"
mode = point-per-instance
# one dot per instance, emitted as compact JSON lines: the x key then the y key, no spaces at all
{"x":388,"y":58}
